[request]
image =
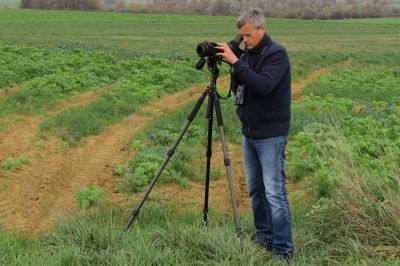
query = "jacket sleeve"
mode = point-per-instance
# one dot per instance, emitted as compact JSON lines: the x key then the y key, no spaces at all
{"x":272,"y":70}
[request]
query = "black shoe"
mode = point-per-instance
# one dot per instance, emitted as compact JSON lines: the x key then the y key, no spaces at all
{"x":266,"y":245}
{"x":288,"y":257}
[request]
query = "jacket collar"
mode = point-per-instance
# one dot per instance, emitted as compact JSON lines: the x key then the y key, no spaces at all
{"x":259,"y":48}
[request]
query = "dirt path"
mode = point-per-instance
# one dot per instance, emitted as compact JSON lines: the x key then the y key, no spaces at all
{"x":20,"y":191}
{"x":21,"y":134}
{"x":33,"y":198}
{"x":298,"y":87}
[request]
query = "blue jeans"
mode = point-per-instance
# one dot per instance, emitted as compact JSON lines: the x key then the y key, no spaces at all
{"x":264,"y":161}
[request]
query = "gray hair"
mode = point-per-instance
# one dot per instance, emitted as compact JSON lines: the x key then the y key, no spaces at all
{"x":253,"y":16}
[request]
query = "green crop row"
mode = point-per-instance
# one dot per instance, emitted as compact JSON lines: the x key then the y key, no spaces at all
{"x":72,"y":76}
{"x":21,"y":63}
{"x":51,"y":75}
{"x":359,"y":84}
{"x":151,"y":79}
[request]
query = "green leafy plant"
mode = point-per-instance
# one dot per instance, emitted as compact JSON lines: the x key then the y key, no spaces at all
{"x":12,"y":164}
{"x":120,"y":169}
{"x":90,"y":196}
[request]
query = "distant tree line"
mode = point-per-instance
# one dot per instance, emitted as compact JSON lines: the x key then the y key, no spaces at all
{"x":305,"y":9}
{"x":63,"y":4}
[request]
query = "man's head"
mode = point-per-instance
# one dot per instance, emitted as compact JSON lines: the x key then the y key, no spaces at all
{"x":251,"y":25}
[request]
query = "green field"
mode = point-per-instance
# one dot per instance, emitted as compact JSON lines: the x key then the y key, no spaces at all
{"x":157,"y":34}
{"x":343,"y":155}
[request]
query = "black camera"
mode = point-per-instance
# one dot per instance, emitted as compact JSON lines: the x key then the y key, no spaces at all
{"x":208,"y":49}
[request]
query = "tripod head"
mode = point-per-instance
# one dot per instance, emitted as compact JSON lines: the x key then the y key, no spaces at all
{"x":212,"y":65}
{"x":211,"y":61}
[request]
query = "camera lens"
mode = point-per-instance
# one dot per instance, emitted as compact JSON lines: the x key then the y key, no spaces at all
{"x":206,"y":49}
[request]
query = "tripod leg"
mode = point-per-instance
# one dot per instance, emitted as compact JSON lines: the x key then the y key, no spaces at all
{"x":209,"y":116}
{"x":170,"y":153}
{"x":226,"y":160}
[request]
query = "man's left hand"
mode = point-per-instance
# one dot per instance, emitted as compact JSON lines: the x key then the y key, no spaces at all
{"x":227,"y":53}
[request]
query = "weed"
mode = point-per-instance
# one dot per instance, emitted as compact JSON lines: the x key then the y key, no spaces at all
{"x":90,"y":196}
{"x":13,"y":163}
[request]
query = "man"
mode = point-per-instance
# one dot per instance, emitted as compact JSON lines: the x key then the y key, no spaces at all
{"x":263,"y":73}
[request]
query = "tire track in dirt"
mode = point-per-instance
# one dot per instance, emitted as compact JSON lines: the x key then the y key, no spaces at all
{"x":20,"y":135}
{"x":43,"y":190}
{"x":20,"y":139}
{"x":298,"y":87}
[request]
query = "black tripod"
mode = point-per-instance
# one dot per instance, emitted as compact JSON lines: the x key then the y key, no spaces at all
{"x":213,"y":102}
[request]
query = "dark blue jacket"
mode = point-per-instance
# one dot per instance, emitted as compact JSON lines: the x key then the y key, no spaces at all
{"x":265,"y":73}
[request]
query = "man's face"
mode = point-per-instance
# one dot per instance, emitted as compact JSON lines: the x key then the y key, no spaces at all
{"x":251,"y":35}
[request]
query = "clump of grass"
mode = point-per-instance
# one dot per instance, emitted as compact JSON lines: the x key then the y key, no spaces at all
{"x":13,"y":163}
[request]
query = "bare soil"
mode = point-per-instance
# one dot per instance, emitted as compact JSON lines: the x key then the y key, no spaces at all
{"x":39,"y":193}
{"x":8,"y":91}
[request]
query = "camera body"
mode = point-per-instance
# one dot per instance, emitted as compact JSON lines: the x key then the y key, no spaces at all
{"x":208,"y":49}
